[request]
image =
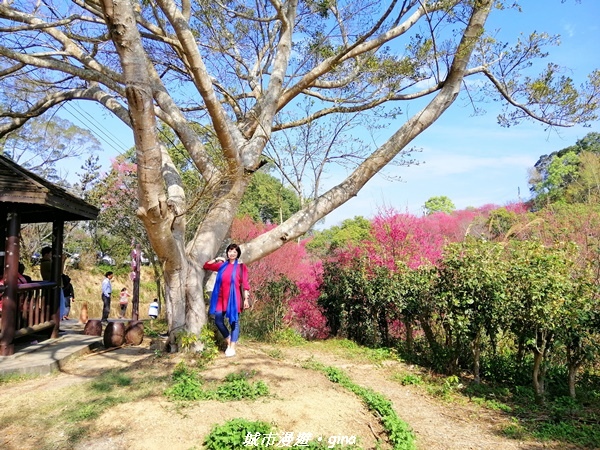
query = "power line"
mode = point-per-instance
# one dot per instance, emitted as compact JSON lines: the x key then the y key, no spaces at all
{"x":100,"y":131}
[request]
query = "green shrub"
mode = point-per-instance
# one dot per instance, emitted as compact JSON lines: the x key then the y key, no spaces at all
{"x":187,"y":340}
{"x":286,"y":336}
{"x":409,"y":379}
{"x":210,"y":349}
{"x":188,"y":386}
{"x":241,"y":389}
{"x":238,"y":434}
{"x":266,"y":319}
{"x":233,"y":434}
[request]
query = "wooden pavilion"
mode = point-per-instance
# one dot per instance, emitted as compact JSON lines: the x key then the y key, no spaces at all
{"x":31,"y":308}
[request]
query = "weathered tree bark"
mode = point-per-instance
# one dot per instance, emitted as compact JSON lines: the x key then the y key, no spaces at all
{"x":538,"y":375}
{"x":476,"y":346}
{"x":540,"y":351}
{"x":575,"y":358}
{"x":160,"y":216}
{"x":408,"y":324}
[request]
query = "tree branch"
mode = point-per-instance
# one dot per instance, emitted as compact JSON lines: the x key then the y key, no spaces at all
{"x":56,"y":98}
{"x":300,"y":223}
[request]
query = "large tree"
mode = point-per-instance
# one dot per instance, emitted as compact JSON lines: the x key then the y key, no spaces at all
{"x":242,"y":69}
{"x":570,"y":175}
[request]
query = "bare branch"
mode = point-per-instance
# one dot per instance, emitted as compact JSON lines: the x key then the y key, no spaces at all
{"x":56,"y":98}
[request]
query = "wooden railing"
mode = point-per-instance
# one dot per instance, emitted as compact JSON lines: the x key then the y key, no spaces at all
{"x":34,"y":309}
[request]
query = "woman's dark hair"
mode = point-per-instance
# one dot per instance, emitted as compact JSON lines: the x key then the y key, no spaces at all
{"x":237,"y":249}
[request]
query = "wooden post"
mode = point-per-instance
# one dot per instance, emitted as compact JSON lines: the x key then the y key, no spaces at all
{"x":135,"y":303}
{"x":3,"y":226}
{"x":10,"y":301}
{"x":58,"y":228}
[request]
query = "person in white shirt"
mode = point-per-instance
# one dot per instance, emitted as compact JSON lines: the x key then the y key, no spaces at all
{"x":153,"y":309}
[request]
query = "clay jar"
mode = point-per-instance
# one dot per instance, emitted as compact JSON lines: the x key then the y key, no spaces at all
{"x":114,"y":334}
{"x":134,"y":333}
{"x":93,"y":328}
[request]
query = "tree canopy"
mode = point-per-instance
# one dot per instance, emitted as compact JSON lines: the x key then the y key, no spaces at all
{"x":440,"y":203}
{"x":569,"y":175}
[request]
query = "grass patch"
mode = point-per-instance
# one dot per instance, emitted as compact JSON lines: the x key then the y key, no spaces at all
{"x":275,"y":353}
{"x":234,"y":433}
{"x":492,"y":404}
{"x":399,"y":433}
{"x":445,"y":388}
{"x":109,"y":380}
{"x":16,"y":378}
{"x":286,"y":337}
{"x":351,"y":350}
{"x":80,"y":412}
{"x":241,"y":434}
{"x":561,"y":419}
{"x":188,"y":385}
{"x":408,"y":379}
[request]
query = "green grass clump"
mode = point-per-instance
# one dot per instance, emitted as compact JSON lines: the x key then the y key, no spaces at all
{"x":91,"y":410}
{"x":15,"y":378}
{"x":408,"y":379}
{"x":188,"y":385}
{"x":286,"y":337}
{"x":398,"y":431}
{"x":110,"y":380}
{"x":237,"y":387}
{"x":235,"y":434}
{"x":241,"y":434}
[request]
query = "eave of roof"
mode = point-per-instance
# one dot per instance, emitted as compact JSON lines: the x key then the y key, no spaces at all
{"x":38,"y":200}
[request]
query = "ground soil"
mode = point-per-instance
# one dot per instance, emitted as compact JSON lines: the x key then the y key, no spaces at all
{"x":302,"y":400}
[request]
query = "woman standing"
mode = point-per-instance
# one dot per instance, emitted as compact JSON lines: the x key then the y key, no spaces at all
{"x":226,"y":298}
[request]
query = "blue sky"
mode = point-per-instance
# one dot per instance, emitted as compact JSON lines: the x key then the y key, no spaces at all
{"x":471,"y":160}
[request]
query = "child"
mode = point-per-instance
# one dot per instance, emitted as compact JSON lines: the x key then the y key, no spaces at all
{"x":123,"y":300}
{"x":153,"y":309}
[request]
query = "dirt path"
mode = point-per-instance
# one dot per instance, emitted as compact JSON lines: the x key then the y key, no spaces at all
{"x":302,"y":401}
{"x":437,"y":425}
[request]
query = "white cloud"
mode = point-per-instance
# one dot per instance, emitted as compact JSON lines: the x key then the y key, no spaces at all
{"x":569,"y":29}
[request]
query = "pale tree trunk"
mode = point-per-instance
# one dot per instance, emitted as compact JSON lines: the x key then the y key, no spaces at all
{"x":538,"y":375}
{"x":408,"y":324}
{"x":573,"y":368}
{"x":160,"y":217}
{"x":575,"y":358}
{"x":540,"y":351}
{"x":476,"y":357}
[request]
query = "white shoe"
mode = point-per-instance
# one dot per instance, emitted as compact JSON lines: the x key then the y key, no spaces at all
{"x":230,"y":351}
